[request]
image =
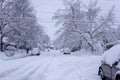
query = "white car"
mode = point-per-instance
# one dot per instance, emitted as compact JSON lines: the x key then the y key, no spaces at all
{"x":66,"y":51}
{"x":35,"y":51}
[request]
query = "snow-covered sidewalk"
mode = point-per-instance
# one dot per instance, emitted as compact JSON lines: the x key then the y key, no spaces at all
{"x":44,"y":67}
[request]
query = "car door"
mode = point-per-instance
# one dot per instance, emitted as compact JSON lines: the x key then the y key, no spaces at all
{"x":107,"y":69}
{"x":114,"y":70}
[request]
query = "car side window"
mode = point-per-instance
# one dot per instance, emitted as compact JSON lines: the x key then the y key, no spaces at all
{"x":115,"y":63}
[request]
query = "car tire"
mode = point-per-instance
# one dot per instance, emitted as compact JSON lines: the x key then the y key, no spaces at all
{"x":117,"y":77}
{"x":66,"y":53}
{"x":102,"y":74}
{"x":38,"y":54}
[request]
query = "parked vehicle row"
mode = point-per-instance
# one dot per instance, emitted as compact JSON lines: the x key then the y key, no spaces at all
{"x":11,"y":50}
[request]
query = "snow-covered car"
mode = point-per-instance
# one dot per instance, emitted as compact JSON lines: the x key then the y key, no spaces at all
{"x":35,"y":51}
{"x":110,"y":67}
{"x":11,"y":48}
{"x":66,"y":51}
{"x":10,"y":51}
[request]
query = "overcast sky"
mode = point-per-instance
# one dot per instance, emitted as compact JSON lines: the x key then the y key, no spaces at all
{"x":45,"y":8}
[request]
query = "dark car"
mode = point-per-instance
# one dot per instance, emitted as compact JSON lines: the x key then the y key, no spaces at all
{"x":110,"y":66}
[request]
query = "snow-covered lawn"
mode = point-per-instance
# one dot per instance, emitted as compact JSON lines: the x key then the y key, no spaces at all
{"x":51,"y":67}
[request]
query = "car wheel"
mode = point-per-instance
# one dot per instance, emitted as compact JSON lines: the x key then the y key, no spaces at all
{"x":117,"y":77}
{"x":102,"y":74}
{"x":38,"y":54}
{"x":66,"y":53}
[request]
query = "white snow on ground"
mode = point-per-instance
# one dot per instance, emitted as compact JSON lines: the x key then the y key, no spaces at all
{"x":51,"y":67}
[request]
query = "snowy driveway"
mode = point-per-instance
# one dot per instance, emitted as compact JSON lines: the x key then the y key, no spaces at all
{"x":62,"y":67}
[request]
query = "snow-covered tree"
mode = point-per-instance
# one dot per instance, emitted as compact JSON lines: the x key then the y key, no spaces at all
{"x":117,"y":32}
{"x":83,"y":24}
{"x":5,"y":19}
{"x":17,"y":20}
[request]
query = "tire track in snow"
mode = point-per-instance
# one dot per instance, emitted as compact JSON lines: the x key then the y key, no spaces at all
{"x":46,"y":66}
{"x":18,"y":70}
{"x":27,"y":71}
{"x":11,"y":69}
{"x":39,"y":75}
{"x":26,"y":75}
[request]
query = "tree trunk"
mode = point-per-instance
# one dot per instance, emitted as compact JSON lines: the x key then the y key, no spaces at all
{"x":92,"y":48}
{"x":1,"y":44}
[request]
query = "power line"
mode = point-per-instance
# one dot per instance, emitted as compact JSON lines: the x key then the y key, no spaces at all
{"x":78,"y":21}
{"x":50,"y":20}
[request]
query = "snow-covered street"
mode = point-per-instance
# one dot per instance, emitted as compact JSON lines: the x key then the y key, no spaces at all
{"x":51,"y":67}
{"x":59,"y":39}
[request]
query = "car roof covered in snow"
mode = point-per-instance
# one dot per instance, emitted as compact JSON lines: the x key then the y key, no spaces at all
{"x":112,"y":55}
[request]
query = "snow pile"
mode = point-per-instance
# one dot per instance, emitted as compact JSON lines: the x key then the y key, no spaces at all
{"x":61,"y":52}
{"x":82,"y":52}
{"x":2,"y":56}
{"x":112,"y":55}
{"x":13,"y":54}
{"x":19,"y":54}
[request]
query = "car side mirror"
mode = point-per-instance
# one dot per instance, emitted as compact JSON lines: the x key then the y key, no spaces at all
{"x":103,"y":62}
{"x":116,"y":63}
